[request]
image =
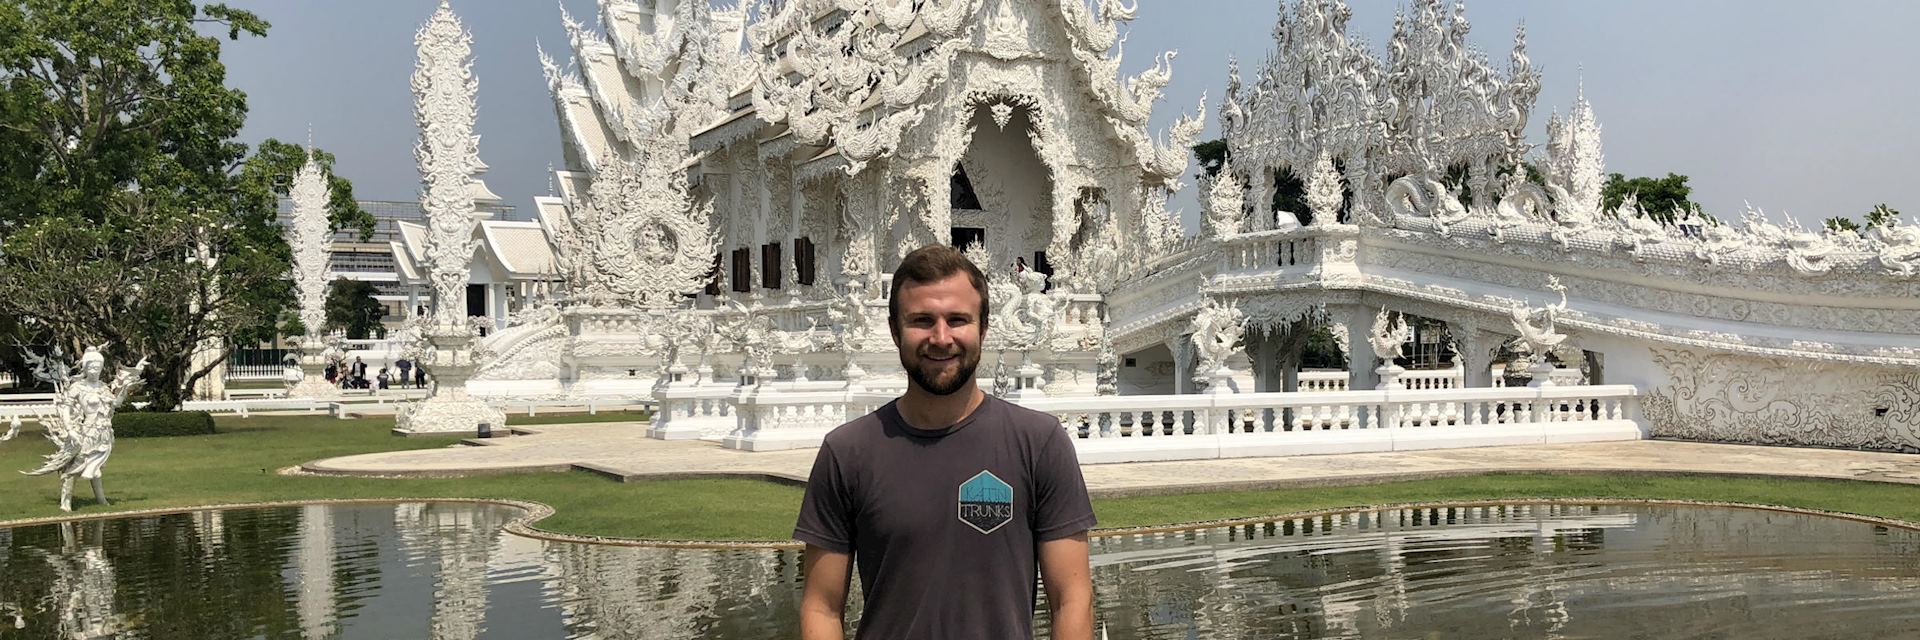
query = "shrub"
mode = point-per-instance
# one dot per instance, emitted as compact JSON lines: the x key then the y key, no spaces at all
{"x":151,"y":424}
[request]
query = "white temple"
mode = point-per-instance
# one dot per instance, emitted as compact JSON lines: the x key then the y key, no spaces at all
{"x":740,"y":183}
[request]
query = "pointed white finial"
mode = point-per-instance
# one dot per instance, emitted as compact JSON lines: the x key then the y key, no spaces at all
{"x":309,"y":138}
{"x":550,"y":191}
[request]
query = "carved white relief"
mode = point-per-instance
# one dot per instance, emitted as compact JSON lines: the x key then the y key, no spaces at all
{"x":1733,"y":398}
{"x":637,"y":238}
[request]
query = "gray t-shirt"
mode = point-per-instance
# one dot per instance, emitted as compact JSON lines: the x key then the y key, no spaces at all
{"x":944,"y":525}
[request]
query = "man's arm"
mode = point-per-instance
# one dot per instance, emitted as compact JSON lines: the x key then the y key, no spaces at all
{"x":1069,"y":583}
{"x":824,"y":598}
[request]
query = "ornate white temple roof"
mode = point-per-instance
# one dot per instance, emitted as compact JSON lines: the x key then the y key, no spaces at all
{"x":521,"y":247}
{"x":403,"y":264}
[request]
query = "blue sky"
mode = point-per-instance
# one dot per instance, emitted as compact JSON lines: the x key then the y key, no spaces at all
{"x":1796,"y":107}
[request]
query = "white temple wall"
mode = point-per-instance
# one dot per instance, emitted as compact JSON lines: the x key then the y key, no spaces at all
{"x":1148,"y":371}
{"x":1700,"y":394}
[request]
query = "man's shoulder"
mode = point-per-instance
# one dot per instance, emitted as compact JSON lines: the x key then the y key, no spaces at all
{"x":1024,"y":416}
{"x":854,"y":434}
{"x":1025,"y":421}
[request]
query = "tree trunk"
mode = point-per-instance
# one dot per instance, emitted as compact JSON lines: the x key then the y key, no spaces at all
{"x":166,"y":383}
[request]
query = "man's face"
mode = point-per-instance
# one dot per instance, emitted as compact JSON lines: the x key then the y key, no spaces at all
{"x":939,"y":333}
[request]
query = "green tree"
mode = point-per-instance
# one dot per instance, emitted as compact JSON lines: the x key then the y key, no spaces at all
{"x":268,"y":175}
{"x":129,"y":214}
{"x":1880,"y":216}
{"x":351,"y":306}
{"x":1212,"y":156}
{"x":1659,"y":197}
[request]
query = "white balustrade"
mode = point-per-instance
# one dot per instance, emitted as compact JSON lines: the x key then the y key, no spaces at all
{"x":275,"y":372}
{"x":1183,"y":427}
{"x":1275,"y":249}
{"x":1323,"y":380}
{"x":1081,"y":309}
{"x":1561,"y":377}
{"x":797,"y":415}
{"x":692,"y":412}
{"x":1422,"y":379}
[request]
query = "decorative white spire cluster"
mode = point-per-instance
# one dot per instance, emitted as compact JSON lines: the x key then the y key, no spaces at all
{"x":1438,"y":120}
{"x":635,"y":236}
{"x":448,"y":155}
{"x":1435,"y":103}
{"x":1574,"y":157}
{"x":312,"y":241}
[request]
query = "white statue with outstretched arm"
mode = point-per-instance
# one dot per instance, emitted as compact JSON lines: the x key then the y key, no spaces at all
{"x":81,"y":426}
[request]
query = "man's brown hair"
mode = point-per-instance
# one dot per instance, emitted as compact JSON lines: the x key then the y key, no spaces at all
{"x":929,"y":264}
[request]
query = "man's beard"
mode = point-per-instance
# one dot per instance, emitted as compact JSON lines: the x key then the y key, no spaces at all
{"x":969,"y":361}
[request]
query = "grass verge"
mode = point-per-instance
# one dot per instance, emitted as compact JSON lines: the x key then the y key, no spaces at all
{"x":238,"y":465}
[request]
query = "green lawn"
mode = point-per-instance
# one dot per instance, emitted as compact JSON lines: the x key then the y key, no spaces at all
{"x":238,"y":464}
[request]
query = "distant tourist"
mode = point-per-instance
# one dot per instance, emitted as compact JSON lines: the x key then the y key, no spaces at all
{"x":381,"y":379}
{"x":949,"y":499}
{"x":405,"y":368}
{"x":420,"y":377}
{"x":358,"y":374}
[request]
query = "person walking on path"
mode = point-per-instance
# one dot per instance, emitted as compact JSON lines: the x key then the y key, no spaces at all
{"x":949,"y":500}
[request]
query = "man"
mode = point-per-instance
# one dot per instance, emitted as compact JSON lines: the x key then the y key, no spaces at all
{"x":359,"y":373}
{"x":406,"y":372}
{"x":946,"y":497}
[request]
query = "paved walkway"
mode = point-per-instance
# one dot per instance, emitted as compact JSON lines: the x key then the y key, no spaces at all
{"x":622,"y":450}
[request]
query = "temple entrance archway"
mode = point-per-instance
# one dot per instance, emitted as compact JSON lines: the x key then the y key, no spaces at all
{"x":1009,"y":188}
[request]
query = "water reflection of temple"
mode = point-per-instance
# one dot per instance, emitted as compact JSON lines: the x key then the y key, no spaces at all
{"x":1343,"y":575}
{"x":314,"y":587}
{"x":668,"y":593}
{"x":458,"y":539}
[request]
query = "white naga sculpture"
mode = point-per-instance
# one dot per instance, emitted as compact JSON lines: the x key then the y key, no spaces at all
{"x":1538,"y":335}
{"x":1217,"y":329}
{"x":81,"y":425}
{"x":754,"y":336}
{"x":1022,"y":316}
{"x":1388,"y":335}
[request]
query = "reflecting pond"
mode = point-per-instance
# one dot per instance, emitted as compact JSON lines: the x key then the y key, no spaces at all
{"x":446,"y":570}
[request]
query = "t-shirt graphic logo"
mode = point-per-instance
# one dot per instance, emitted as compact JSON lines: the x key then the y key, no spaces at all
{"x":986,"y":502}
